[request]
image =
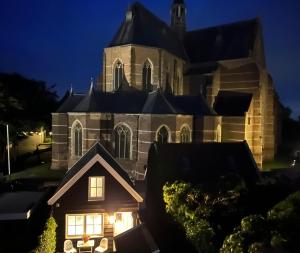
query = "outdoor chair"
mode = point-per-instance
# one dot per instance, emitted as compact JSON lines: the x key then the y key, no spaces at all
{"x":68,"y":247}
{"x":103,"y":246}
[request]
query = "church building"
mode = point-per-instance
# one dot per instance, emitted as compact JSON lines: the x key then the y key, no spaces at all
{"x":164,"y":83}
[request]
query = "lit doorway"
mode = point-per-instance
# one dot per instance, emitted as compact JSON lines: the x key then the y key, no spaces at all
{"x":123,"y":222}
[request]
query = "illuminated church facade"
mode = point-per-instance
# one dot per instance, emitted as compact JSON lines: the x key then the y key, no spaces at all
{"x":163,"y":83}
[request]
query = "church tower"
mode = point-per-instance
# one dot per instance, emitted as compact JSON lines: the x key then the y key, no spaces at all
{"x":178,"y":17}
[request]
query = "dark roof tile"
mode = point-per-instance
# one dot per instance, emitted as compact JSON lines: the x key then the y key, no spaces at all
{"x":141,"y":27}
{"x":231,"y":41}
{"x":232,"y":103}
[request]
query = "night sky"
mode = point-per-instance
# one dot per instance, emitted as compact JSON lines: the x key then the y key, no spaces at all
{"x":61,"y":41}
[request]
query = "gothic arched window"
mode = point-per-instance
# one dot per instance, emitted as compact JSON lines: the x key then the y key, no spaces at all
{"x":122,"y":141}
{"x":77,"y":139}
{"x":185,"y":135}
{"x":162,"y":135}
{"x":118,"y":75}
{"x":147,"y":72}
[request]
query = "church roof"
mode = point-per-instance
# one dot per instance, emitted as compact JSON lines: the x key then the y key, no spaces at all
{"x":232,"y":103}
{"x":156,"y":103}
{"x":141,"y":27}
{"x":230,"y":41}
{"x":138,"y":102}
{"x":70,"y":101}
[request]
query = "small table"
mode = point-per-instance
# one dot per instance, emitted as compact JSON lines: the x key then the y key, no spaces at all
{"x":85,"y":247}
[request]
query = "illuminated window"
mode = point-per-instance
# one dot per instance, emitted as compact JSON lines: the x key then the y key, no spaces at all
{"x":122,"y":141}
{"x":118,"y":75}
{"x":78,"y":225}
{"x":147,"y":76}
{"x":96,"y":188}
{"x":123,"y":222}
{"x":162,"y":135}
{"x":77,"y":139}
{"x":185,"y":135}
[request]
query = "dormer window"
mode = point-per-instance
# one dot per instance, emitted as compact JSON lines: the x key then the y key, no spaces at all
{"x":96,"y":188}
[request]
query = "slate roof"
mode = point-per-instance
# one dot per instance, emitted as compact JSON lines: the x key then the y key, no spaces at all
{"x":137,"y":102}
{"x":137,"y":239}
{"x":156,"y":103}
{"x":230,"y":41}
{"x":201,"y":162}
{"x":70,"y":102}
{"x":97,"y":148}
{"x":145,"y":29}
{"x":231,"y":103}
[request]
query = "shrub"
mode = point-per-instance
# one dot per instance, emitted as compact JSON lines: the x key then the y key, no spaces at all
{"x":47,"y":240}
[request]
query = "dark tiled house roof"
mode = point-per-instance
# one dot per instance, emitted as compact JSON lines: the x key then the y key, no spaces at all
{"x":137,"y":239}
{"x":231,"y":103}
{"x":70,"y":102}
{"x":141,"y":27}
{"x":97,"y":148}
{"x":202,"y":162}
{"x":156,"y":103}
{"x":231,"y":41}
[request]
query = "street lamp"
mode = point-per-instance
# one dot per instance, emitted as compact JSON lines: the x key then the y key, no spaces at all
{"x":8,"y":154}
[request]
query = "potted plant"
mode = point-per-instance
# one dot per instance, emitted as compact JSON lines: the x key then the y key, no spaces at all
{"x":85,"y":238}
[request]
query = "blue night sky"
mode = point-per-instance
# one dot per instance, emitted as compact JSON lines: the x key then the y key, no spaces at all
{"x":61,"y":41}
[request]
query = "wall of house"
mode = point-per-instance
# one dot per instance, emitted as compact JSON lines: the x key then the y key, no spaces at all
{"x":75,"y":201}
{"x":133,"y":58}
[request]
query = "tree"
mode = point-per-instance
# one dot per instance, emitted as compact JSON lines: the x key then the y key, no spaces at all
{"x":199,"y":212}
{"x":47,"y":241}
{"x":25,"y":105}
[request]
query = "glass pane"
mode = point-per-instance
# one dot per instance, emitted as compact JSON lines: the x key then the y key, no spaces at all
{"x":89,"y":219}
{"x":97,"y":229}
{"x":71,"y":230}
{"x":79,"y":230}
{"x":79,"y":220}
{"x":90,"y":229}
{"x":98,"y":219}
{"x":93,"y":182}
{"x":99,"y":192}
{"x":71,"y":220}
{"x":99,"y":182}
{"x":93,"y":192}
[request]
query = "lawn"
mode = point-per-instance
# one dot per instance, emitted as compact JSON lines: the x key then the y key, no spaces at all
{"x":277,"y":163}
{"x":41,"y":171}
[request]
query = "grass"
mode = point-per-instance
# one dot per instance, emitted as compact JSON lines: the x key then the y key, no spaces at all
{"x":278,"y":163}
{"x":41,"y":171}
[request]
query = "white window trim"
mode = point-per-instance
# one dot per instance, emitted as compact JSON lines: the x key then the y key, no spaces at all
{"x":169,"y":133}
{"x":84,"y":225}
{"x":131,"y":136}
{"x":73,"y":140}
{"x":103,"y":189}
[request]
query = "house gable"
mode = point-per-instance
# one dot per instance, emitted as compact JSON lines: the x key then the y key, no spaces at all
{"x":97,"y":154}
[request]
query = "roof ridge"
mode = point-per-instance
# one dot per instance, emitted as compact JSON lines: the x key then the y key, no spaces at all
{"x":225,"y":25}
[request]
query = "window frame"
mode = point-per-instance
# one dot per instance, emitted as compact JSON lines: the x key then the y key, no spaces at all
{"x":103,"y":189}
{"x":118,"y":67}
{"x":117,"y":137}
{"x":147,"y":73}
{"x":188,"y":134}
{"x":169,"y":140}
{"x":84,"y":215}
{"x":75,"y":139}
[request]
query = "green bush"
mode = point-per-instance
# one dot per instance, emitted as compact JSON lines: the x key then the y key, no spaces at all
{"x":47,"y":240}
